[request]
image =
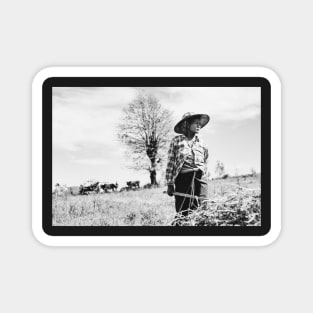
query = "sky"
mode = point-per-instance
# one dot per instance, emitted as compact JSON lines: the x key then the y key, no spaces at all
{"x":85,"y":119}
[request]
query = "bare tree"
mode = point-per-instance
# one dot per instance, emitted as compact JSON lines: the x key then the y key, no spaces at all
{"x":219,"y":168}
{"x":253,"y":172}
{"x":145,"y":129}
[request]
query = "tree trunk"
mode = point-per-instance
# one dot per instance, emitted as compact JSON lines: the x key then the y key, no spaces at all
{"x":153,"y":177}
{"x":153,"y":172}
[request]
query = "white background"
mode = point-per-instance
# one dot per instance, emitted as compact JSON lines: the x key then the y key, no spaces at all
{"x":38,"y":34}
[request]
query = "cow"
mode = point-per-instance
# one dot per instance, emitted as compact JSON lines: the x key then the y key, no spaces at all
{"x":124,"y":189}
{"x":60,"y":190}
{"x":88,"y":187}
{"x":106,"y":187}
{"x":133,"y":184}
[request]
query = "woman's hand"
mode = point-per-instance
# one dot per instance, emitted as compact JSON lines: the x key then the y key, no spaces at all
{"x":170,"y":190}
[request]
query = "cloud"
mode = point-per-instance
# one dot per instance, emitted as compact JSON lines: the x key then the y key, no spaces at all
{"x":222,"y":103}
{"x":92,"y":114}
{"x":93,"y":153}
{"x":87,"y":115}
{"x":92,"y":161}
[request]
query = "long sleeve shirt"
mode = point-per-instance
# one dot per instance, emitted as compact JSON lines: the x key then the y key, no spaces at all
{"x":181,"y":149}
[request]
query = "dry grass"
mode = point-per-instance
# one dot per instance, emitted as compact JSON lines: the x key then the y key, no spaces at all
{"x":230,"y":203}
{"x":239,"y":207}
{"x":129,"y":208}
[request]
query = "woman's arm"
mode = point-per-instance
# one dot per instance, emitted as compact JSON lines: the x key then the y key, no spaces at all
{"x":206,"y":157}
{"x":170,"y":163}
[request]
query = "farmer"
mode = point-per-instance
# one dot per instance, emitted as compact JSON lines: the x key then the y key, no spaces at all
{"x":186,"y":171}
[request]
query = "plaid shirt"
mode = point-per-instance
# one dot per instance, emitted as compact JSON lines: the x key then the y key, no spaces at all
{"x":178,"y":152}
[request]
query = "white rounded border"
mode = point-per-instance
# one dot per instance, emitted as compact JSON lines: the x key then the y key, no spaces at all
{"x":45,"y":239}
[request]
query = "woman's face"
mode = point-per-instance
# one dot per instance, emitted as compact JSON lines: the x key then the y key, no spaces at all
{"x":195,"y":126}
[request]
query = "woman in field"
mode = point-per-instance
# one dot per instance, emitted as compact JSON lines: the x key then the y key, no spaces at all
{"x":186,"y":171}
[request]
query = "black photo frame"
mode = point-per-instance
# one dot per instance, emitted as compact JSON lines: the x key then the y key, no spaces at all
{"x":236,"y":81}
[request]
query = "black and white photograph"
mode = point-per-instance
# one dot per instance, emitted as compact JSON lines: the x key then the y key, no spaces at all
{"x":156,"y":156}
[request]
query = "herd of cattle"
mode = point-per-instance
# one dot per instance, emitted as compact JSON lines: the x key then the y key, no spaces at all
{"x":95,"y":187}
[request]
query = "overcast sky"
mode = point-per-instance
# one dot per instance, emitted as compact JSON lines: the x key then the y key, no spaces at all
{"x":85,"y":144}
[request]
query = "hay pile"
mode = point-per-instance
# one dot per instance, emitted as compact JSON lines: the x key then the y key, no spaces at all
{"x":241,"y":207}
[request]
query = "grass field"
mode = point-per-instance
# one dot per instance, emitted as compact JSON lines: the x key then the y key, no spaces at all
{"x":143,"y":207}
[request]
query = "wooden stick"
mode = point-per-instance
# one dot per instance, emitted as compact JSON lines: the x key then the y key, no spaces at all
{"x":188,"y":196}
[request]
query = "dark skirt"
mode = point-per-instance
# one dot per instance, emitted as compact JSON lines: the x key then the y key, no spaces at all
{"x":188,"y":184}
